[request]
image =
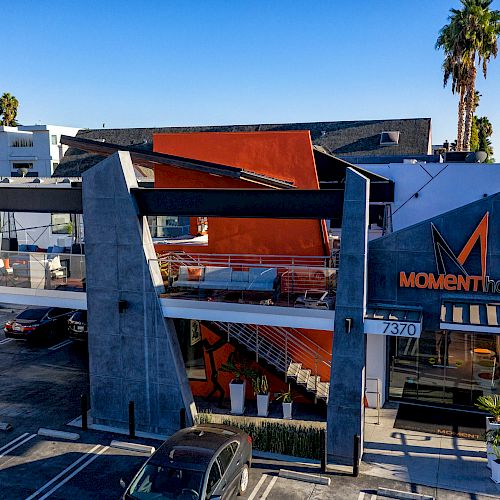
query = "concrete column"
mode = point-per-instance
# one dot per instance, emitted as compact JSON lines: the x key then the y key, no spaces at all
{"x":134,"y":354}
{"x":345,"y":416}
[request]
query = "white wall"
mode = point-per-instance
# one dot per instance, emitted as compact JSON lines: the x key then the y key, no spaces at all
{"x":440,"y":186}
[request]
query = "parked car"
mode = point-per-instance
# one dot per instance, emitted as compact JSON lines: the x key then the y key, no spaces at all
{"x":39,"y":323}
{"x":77,"y":326}
{"x":202,"y":462}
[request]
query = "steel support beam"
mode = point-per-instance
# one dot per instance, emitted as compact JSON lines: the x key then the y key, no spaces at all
{"x":41,"y":200}
{"x":265,"y":203}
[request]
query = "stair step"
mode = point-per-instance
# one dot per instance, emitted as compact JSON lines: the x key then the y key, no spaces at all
{"x":312,"y":383}
{"x":323,"y":390}
{"x":293,"y":369}
{"x":303,"y":376}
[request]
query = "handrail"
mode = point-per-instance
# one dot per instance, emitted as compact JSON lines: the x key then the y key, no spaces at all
{"x":284,"y":344}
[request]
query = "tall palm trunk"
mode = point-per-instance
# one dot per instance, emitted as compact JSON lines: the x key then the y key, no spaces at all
{"x":461,"y":120}
{"x":469,"y":107}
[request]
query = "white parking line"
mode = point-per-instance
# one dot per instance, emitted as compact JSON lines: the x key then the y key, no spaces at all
{"x":74,"y":473}
{"x":61,"y":344}
{"x":269,"y":488}
{"x":17,"y":445}
{"x":5,"y":341}
{"x":257,"y":487}
{"x":14,"y":440}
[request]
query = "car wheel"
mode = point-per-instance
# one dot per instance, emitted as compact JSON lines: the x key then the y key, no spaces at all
{"x":243,"y":480}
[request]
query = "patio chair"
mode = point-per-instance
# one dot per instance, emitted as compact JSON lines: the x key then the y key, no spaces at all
{"x":6,"y":271}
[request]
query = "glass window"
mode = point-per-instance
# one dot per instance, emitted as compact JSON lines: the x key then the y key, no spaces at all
{"x":53,"y":140}
{"x":158,"y":481}
{"x":445,"y":367}
{"x":191,"y":343}
{"x":213,"y":478}
{"x":61,"y":224}
{"x":225,"y":457}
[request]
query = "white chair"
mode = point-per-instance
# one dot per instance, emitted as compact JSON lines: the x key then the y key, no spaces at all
{"x":57,"y":270}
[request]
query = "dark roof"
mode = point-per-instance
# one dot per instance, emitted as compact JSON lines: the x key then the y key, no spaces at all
{"x":344,"y":138}
{"x":195,"y":446}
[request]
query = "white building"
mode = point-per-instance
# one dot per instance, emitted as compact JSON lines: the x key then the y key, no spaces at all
{"x":36,"y":148}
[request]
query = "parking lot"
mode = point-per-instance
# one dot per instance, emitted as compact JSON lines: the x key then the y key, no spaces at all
{"x":41,"y":386}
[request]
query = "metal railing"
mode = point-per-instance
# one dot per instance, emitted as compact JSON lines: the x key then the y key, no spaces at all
{"x":283,"y":348}
{"x":295,"y":275}
{"x":46,"y":271}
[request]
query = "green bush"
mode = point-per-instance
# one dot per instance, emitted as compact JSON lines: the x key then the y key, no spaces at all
{"x":274,"y":437}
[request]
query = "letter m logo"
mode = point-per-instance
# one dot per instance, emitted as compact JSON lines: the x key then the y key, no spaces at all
{"x":442,"y":248}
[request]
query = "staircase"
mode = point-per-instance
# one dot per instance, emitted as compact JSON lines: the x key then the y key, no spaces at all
{"x":288,"y":351}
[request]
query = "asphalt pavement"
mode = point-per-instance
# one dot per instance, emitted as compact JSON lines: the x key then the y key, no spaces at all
{"x":40,"y":386}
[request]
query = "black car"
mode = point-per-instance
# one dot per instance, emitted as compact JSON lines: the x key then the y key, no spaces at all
{"x":202,"y":462}
{"x":77,"y":326}
{"x":39,"y":323}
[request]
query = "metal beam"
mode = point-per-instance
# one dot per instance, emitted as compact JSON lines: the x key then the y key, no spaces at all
{"x":41,"y":200}
{"x":150,"y":158}
{"x":265,"y":203}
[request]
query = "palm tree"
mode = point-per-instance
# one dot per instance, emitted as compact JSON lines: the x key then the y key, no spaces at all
{"x":8,"y":108}
{"x":470,"y":39}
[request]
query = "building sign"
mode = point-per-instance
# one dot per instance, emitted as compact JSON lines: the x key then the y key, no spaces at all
{"x":465,"y":281}
{"x":393,"y":328}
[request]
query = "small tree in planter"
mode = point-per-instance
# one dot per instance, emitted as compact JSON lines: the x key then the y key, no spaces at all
{"x":493,"y":440}
{"x":491,"y":404}
{"x":261,"y":390}
{"x":237,"y":386}
{"x":286,"y":401}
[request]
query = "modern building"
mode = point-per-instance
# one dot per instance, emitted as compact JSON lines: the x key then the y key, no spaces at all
{"x":413,"y":313}
{"x":32,"y":150}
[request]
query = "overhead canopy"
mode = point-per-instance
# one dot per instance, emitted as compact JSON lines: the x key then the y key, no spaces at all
{"x":470,"y":316}
{"x":393,"y":320}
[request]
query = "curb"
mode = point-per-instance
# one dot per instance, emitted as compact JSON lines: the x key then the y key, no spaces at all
{"x":304,"y":476}
{"x":402,"y":495}
{"x":72,"y":436}
{"x":141,"y":448}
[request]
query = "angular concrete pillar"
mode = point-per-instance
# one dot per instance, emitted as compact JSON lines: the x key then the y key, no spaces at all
{"x":345,"y":416}
{"x":134,"y":354}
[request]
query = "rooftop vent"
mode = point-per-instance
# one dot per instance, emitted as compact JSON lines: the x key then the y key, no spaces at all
{"x":389,"y":138}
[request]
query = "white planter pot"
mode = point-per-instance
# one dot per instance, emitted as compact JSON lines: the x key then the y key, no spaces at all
{"x":491,"y":424}
{"x":262,"y":405}
{"x":237,"y":393}
{"x":287,"y":410}
{"x":495,"y":471}
{"x":489,"y":454}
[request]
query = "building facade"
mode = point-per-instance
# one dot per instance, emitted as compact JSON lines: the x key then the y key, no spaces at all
{"x":32,"y":150}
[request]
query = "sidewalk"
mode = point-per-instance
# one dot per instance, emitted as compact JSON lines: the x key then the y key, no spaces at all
{"x":427,"y":459}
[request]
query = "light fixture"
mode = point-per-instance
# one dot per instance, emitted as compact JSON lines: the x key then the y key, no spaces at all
{"x":348,"y":324}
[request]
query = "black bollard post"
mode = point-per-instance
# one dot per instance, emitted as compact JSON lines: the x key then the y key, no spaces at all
{"x":322,"y":449}
{"x":355,"y":455}
{"x":182,"y":418}
{"x":84,"y":409}
{"x":131,"y":419}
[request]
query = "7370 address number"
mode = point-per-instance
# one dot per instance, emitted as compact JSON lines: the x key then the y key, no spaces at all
{"x":399,"y":329}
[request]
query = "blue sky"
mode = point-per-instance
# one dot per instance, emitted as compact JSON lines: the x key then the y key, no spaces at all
{"x":139,"y":63}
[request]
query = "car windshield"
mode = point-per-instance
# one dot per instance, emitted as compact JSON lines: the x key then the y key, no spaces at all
{"x":32,"y":314}
{"x":160,"y":481}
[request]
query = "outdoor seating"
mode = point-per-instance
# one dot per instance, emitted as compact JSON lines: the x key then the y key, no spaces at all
{"x":224,"y":278}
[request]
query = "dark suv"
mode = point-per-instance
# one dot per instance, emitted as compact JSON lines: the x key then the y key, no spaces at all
{"x":39,"y":323}
{"x":202,"y":462}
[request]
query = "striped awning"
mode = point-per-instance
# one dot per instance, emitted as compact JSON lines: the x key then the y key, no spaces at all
{"x":470,"y":316}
